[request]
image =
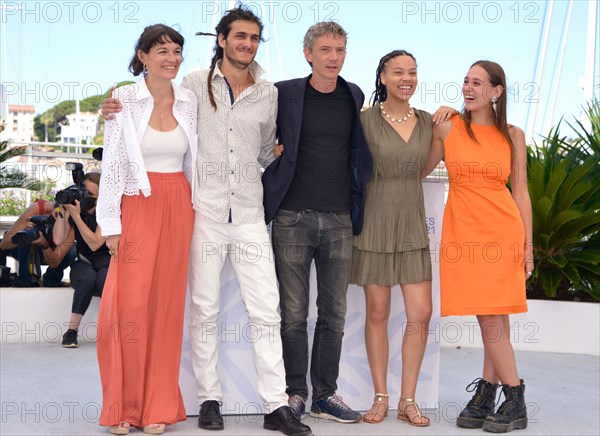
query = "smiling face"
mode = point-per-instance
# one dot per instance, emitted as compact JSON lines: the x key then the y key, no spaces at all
{"x":399,"y":76}
{"x":327,"y":57}
{"x":163,"y":60}
{"x":241,"y":44}
{"x":478,"y":91}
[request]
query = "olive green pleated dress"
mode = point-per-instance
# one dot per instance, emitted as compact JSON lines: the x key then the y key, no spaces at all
{"x":393,"y":247}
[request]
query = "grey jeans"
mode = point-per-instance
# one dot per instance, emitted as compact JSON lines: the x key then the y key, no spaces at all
{"x":298,"y":238}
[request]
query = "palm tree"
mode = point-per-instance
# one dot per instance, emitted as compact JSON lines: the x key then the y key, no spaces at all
{"x":564,"y":186}
{"x":11,"y":176}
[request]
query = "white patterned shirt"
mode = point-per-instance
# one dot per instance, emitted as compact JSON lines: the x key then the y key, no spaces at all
{"x":235,"y":141}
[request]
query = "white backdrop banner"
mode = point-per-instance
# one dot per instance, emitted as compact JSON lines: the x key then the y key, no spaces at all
{"x":237,"y":370}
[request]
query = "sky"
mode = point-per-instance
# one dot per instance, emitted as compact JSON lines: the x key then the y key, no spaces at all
{"x":60,"y":50}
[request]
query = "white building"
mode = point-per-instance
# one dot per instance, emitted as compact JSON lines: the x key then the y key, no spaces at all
{"x":19,"y":123}
{"x":83,"y":126}
{"x":3,"y":103}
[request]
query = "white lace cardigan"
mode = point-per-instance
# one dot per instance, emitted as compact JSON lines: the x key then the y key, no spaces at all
{"x":123,"y":170}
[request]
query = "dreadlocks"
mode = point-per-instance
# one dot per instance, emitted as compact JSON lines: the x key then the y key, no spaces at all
{"x":242,"y":13}
{"x":380,"y":93}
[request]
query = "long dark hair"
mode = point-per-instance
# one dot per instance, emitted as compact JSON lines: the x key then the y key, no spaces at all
{"x":380,"y":93}
{"x":241,"y":12}
{"x":152,"y":35}
{"x":497,"y":78}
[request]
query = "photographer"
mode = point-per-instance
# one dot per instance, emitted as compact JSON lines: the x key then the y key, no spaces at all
{"x":34,"y":250}
{"x":88,"y":273}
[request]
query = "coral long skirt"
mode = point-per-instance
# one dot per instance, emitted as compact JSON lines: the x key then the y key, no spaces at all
{"x":141,"y":312}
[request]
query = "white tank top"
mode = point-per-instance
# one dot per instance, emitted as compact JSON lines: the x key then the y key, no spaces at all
{"x":163,"y":151}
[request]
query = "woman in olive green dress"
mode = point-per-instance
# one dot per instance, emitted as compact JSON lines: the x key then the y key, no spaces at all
{"x":393,"y":247}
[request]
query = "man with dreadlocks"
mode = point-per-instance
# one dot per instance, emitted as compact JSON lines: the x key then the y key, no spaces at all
{"x":315,"y":194}
{"x":236,"y":126}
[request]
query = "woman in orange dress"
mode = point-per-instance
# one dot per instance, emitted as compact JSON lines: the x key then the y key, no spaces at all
{"x":145,"y":212}
{"x":486,"y":253}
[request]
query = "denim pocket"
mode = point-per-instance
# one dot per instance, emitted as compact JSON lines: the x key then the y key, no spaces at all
{"x":287,"y":217}
{"x":343,"y":218}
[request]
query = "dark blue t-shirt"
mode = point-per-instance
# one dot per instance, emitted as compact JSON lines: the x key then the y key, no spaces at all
{"x":322,"y":179}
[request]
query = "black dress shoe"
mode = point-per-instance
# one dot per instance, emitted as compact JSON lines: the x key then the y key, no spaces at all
{"x":210,"y":416}
{"x":284,"y":420}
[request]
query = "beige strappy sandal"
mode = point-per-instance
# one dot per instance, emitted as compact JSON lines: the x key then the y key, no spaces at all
{"x":121,"y":428}
{"x":403,"y":416}
{"x":378,"y":409}
{"x":154,"y":429}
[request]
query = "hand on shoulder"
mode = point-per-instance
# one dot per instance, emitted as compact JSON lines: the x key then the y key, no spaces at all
{"x":441,"y":130}
{"x":111,"y":105}
{"x":444,"y":113}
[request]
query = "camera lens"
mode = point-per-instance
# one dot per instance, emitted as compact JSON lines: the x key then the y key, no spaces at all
{"x":25,"y":237}
{"x":63,"y":197}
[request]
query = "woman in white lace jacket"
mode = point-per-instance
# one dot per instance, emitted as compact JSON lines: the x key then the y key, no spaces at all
{"x":145,"y":212}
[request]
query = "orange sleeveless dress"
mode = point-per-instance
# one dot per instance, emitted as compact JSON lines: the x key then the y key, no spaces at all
{"x":481,"y":256}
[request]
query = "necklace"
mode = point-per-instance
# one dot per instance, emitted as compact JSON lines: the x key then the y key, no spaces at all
{"x":394,"y":120}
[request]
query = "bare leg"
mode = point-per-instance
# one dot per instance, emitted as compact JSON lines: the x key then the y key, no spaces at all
{"x":489,"y":373}
{"x":378,"y":299}
{"x":417,"y":302}
{"x":499,"y":358}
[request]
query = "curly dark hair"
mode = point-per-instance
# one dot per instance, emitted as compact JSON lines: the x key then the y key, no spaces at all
{"x":380,"y":93}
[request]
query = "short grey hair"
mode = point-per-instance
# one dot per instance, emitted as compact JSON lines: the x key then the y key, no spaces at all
{"x":323,"y":28}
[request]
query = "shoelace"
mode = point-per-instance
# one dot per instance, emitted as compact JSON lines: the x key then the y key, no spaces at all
{"x":506,"y":405}
{"x":339,"y":402}
{"x":295,"y":402}
{"x":474,"y":384}
{"x":211,"y":408}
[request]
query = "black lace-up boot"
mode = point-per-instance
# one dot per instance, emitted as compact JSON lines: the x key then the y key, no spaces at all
{"x":481,"y":405}
{"x":512,"y":413}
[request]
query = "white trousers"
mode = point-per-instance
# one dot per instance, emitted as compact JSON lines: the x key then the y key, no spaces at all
{"x":248,"y":248}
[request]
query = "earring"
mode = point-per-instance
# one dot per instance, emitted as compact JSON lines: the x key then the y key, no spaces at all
{"x":494,"y":100}
{"x":146,"y":70}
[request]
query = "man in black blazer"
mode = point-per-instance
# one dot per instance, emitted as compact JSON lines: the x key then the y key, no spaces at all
{"x":314,"y":193}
